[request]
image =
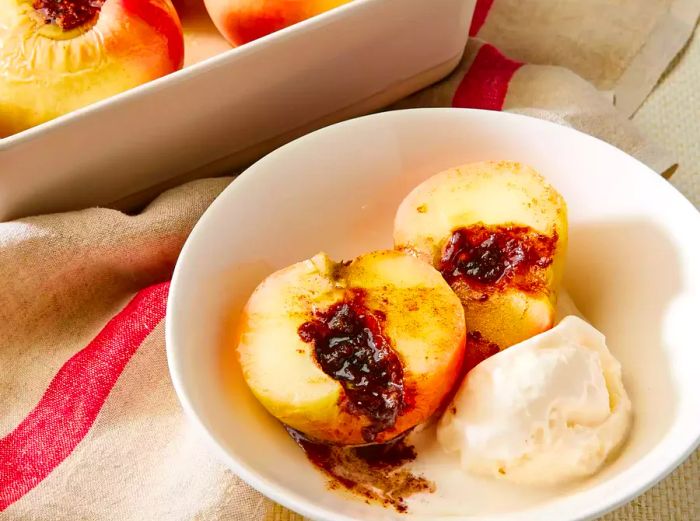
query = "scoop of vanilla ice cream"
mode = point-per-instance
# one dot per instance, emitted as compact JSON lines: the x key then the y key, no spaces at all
{"x":547,"y":410}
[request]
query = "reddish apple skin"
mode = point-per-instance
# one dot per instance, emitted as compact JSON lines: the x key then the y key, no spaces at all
{"x":242,"y":21}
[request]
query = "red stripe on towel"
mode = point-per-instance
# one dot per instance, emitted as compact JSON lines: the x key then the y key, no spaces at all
{"x":68,"y":408}
{"x":481,"y":11}
{"x":485,"y":84}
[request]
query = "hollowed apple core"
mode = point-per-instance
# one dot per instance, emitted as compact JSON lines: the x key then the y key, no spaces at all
{"x":351,"y":347}
{"x":68,"y":14}
{"x":492,"y":256}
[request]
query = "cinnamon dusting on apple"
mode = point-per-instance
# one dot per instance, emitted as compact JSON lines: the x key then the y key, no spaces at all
{"x":68,"y":14}
{"x":351,"y":347}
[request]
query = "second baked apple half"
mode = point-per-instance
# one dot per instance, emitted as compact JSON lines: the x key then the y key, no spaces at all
{"x":497,"y":231}
{"x":352,"y":352}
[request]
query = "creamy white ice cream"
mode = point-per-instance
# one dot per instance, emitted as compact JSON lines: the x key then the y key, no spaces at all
{"x":547,"y":410}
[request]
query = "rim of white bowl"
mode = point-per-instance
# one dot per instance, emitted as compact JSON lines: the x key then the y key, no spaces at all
{"x":619,"y":496}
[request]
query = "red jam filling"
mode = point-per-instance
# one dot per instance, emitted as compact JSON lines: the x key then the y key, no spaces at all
{"x":68,"y":14}
{"x":478,"y":350}
{"x":493,"y":255}
{"x":351,"y":347}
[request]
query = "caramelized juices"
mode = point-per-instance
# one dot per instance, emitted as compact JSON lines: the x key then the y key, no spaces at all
{"x":486,"y":257}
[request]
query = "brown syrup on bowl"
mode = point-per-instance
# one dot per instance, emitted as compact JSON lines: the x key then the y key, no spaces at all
{"x":372,"y":472}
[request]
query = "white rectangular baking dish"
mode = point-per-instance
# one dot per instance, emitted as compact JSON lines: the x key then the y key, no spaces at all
{"x":225,"y":111}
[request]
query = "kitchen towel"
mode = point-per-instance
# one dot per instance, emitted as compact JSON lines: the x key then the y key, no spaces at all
{"x":90,"y":427}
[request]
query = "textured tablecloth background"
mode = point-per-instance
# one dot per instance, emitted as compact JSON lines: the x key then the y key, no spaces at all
{"x":671,"y":116}
{"x":92,"y":429}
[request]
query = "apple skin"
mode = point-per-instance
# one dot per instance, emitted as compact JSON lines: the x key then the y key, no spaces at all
{"x":424,"y":322}
{"x":46,"y":72}
{"x":491,"y":194}
{"x":242,"y":21}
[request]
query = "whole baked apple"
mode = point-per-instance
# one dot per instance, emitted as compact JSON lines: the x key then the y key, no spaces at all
{"x":60,"y":55}
{"x":353,"y":352}
{"x":242,"y":21}
{"x":497,"y":231}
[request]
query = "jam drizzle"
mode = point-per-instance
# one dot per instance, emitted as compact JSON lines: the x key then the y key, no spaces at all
{"x":487,"y":257}
{"x":351,"y":347}
{"x":372,"y":472}
{"x":68,"y":14}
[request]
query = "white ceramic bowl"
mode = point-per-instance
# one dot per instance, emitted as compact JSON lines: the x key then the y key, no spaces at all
{"x":633,"y":269}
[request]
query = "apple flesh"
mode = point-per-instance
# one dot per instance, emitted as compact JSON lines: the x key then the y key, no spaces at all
{"x":242,"y":21}
{"x":352,"y":353}
{"x":59,"y":55}
{"x":497,"y":231}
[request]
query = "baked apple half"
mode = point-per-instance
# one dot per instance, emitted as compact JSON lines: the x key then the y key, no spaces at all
{"x":60,"y":55}
{"x":497,"y":231}
{"x":355,"y":352}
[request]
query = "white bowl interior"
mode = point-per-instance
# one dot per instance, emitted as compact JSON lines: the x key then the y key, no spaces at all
{"x":632,"y":269}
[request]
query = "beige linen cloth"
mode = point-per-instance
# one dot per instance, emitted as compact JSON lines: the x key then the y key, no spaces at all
{"x":90,"y":427}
